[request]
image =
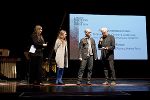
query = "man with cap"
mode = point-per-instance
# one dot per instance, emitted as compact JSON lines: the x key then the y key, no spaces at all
{"x":87,"y":54}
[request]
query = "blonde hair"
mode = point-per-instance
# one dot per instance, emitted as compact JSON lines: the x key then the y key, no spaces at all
{"x":61,"y":34}
{"x":37,"y":27}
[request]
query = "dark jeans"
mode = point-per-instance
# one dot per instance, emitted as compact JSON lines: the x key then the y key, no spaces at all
{"x":109,"y":70}
{"x":86,"y":62}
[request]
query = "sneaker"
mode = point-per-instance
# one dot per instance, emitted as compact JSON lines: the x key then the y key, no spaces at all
{"x":105,"y":83}
{"x":113,"y":83}
{"x":78,"y":82}
{"x":56,"y":81}
{"x":89,"y":83}
{"x":59,"y":82}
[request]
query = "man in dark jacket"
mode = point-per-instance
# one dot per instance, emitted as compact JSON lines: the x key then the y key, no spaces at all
{"x":107,"y":45}
{"x":87,"y":54}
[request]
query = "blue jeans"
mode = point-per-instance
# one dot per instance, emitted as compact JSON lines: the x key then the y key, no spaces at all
{"x":60,"y":72}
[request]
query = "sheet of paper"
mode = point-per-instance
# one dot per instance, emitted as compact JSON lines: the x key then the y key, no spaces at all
{"x":32,"y":49}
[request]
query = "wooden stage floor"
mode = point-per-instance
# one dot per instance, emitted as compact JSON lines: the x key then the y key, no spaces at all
{"x":124,"y":89}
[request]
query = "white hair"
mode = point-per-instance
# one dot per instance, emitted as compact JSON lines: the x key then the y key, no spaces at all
{"x":88,"y":30}
{"x":104,"y":29}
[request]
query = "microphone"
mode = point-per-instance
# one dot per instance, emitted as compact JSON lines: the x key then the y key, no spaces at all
{"x":101,"y":39}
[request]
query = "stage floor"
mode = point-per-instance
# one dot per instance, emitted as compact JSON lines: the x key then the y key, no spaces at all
{"x":124,"y":89}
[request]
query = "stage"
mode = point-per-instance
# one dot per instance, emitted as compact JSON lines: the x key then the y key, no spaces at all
{"x":124,"y":89}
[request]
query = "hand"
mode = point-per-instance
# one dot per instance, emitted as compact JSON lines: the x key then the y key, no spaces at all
{"x":44,"y":44}
{"x":106,"y":48}
{"x":101,"y":40}
{"x":80,"y":59}
{"x":103,"y":48}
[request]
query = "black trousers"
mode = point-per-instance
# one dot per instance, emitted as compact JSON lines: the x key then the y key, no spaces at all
{"x":109,"y":70}
{"x":35,"y":69}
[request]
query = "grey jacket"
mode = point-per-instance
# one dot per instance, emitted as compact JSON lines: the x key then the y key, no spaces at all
{"x":83,"y":48}
{"x":109,"y":42}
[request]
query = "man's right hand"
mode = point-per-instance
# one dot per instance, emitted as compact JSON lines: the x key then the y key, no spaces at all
{"x":44,"y":45}
{"x":80,"y":59}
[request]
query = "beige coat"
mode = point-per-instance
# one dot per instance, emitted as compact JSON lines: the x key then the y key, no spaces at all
{"x":61,"y":51}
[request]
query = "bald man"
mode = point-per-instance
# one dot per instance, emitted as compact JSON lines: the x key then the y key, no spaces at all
{"x":87,"y":54}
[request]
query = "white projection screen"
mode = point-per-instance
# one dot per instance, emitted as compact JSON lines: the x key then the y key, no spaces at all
{"x":129,"y":32}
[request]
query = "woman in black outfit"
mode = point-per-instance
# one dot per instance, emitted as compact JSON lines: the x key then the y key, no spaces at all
{"x":36,"y":58}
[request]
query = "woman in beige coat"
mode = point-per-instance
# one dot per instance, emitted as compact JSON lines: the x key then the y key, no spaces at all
{"x":61,"y":57}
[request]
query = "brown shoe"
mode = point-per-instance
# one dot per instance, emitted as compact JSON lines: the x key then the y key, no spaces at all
{"x":113,"y":83}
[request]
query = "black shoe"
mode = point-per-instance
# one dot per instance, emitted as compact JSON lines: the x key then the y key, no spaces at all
{"x":89,"y":83}
{"x":37,"y":83}
{"x":61,"y":83}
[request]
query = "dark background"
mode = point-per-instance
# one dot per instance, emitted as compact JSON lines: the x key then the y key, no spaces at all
{"x":18,"y":18}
